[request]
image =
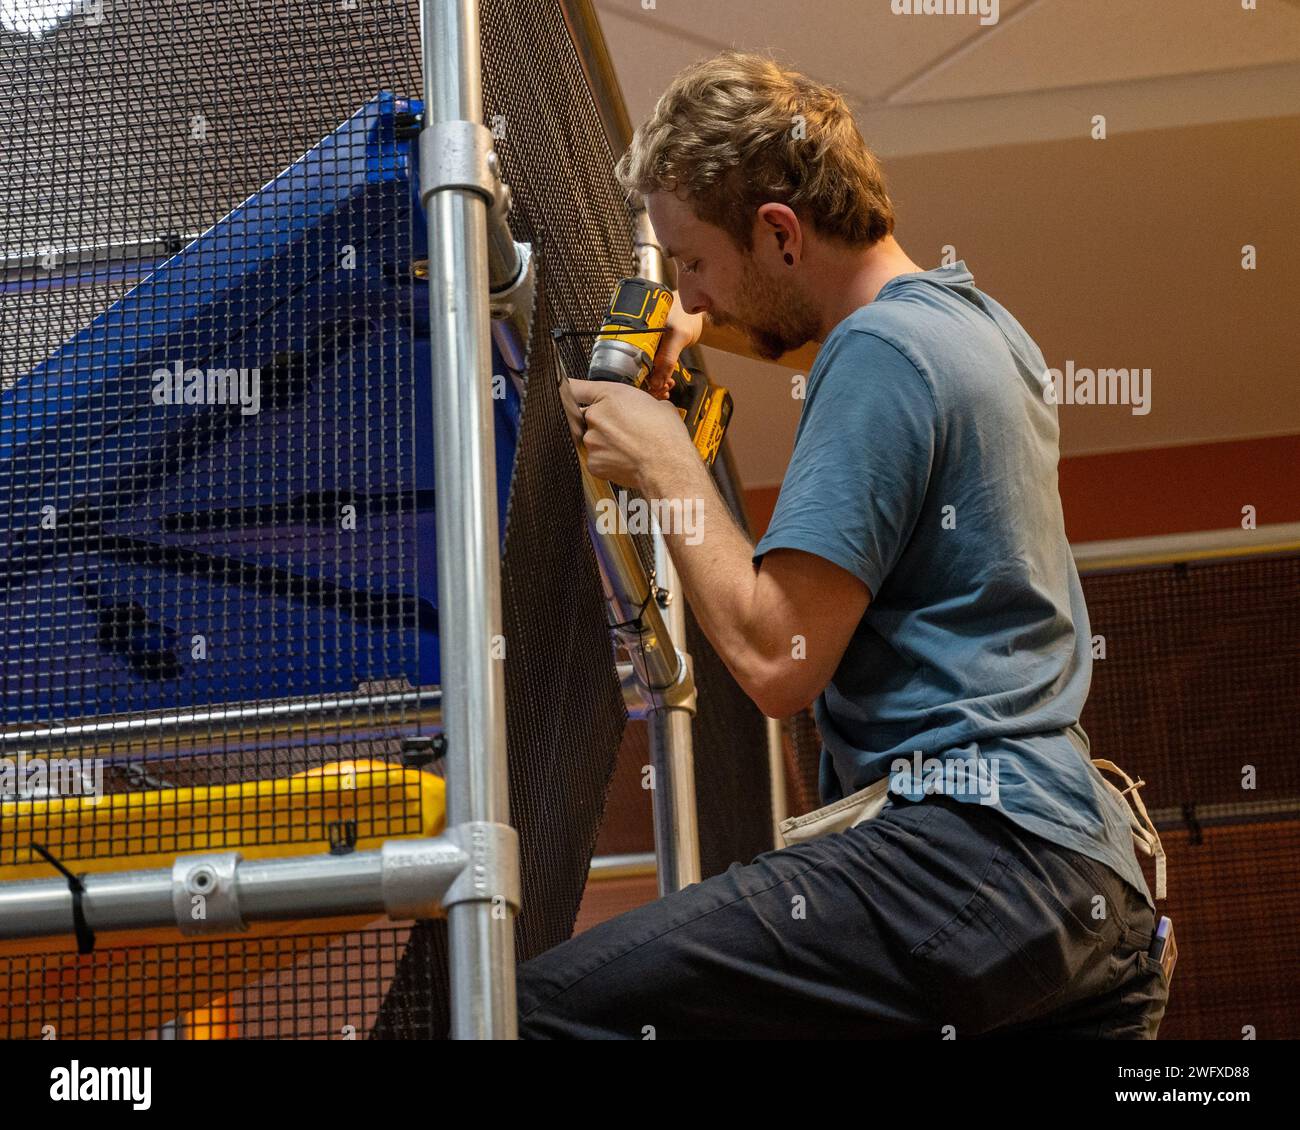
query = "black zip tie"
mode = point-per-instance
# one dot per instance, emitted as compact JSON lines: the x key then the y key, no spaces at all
{"x":635,"y":623}
{"x":559,"y":332}
{"x":423,"y":750}
{"x":80,"y":927}
{"x":342,"y":836}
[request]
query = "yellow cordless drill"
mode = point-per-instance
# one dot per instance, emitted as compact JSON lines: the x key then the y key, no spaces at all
{"x":625,"y":351}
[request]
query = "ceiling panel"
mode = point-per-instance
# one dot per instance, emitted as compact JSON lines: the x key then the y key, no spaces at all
{"x":895,"y":130}
{"x":1064,"y":43}
{"x":859,"y":47}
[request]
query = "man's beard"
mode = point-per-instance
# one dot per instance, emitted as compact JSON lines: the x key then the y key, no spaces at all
{"x":775,"y":318}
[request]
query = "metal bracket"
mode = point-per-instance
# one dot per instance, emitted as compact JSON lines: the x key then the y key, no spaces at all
{"x":680,"y":696}
{"x":409,"y":875}
{"x":512,"y":312}
{"x":213,"y":878}
{"x":502,"y":200}
{"x":518,"y":294}
{"x":459,"y":155}
{"x":493,"y":869}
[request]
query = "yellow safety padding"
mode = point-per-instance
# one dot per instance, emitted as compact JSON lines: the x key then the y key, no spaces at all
{"x":260,"y":819}
{"x":211,"y":1023}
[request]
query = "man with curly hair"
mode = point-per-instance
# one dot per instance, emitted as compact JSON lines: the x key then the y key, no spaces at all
{"x":915,"y":585}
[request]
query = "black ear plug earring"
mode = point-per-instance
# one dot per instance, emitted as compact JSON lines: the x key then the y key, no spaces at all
{"x":789,"y":258}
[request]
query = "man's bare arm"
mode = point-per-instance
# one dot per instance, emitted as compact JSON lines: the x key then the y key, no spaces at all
{"x":781,"y":629}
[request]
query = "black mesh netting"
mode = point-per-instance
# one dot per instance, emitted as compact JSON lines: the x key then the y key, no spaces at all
{"x":564,"y":707}
{"x":732,"y":771}
{"x":226,"y":184}
{"x":187,"y":189}
{"x":217,"y":188}
{"x":1198,"y":694}
{"x":559,"y":167}
{"x":1200,"y":682}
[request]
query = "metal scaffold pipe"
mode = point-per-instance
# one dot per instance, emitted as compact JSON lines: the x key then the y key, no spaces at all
{"x":403,"y":879}
{"x":457,"y":188}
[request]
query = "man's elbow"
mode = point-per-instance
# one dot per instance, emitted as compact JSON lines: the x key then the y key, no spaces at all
{"x":779,"y":695}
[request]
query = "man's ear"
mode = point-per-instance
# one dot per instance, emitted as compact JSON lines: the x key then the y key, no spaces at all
{"x":782,"y":222}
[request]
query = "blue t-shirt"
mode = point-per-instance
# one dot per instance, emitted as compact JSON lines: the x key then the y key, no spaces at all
{"x":925,"y":464}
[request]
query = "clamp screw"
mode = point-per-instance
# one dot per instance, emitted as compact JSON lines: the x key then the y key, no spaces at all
{"x":201,"y":881}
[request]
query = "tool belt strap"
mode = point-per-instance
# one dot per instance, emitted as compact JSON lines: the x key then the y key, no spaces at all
{"x":1145,"y":835}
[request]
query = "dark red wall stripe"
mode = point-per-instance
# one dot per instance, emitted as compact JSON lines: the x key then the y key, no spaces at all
{"x":1162,"y":490}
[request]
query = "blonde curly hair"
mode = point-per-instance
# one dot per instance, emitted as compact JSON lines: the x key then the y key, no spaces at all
{"x":739,"y":130}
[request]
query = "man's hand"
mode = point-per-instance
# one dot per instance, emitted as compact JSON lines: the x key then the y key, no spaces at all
{"x":681,"y":332}
{"x":623,"y":429}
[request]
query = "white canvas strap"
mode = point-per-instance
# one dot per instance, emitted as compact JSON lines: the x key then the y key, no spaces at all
{"x":1145,"y":835}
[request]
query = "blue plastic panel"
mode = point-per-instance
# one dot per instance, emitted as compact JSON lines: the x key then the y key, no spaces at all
{"x":171,"y":554}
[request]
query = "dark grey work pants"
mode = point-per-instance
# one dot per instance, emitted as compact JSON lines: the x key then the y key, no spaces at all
{"x":936,"y":919}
